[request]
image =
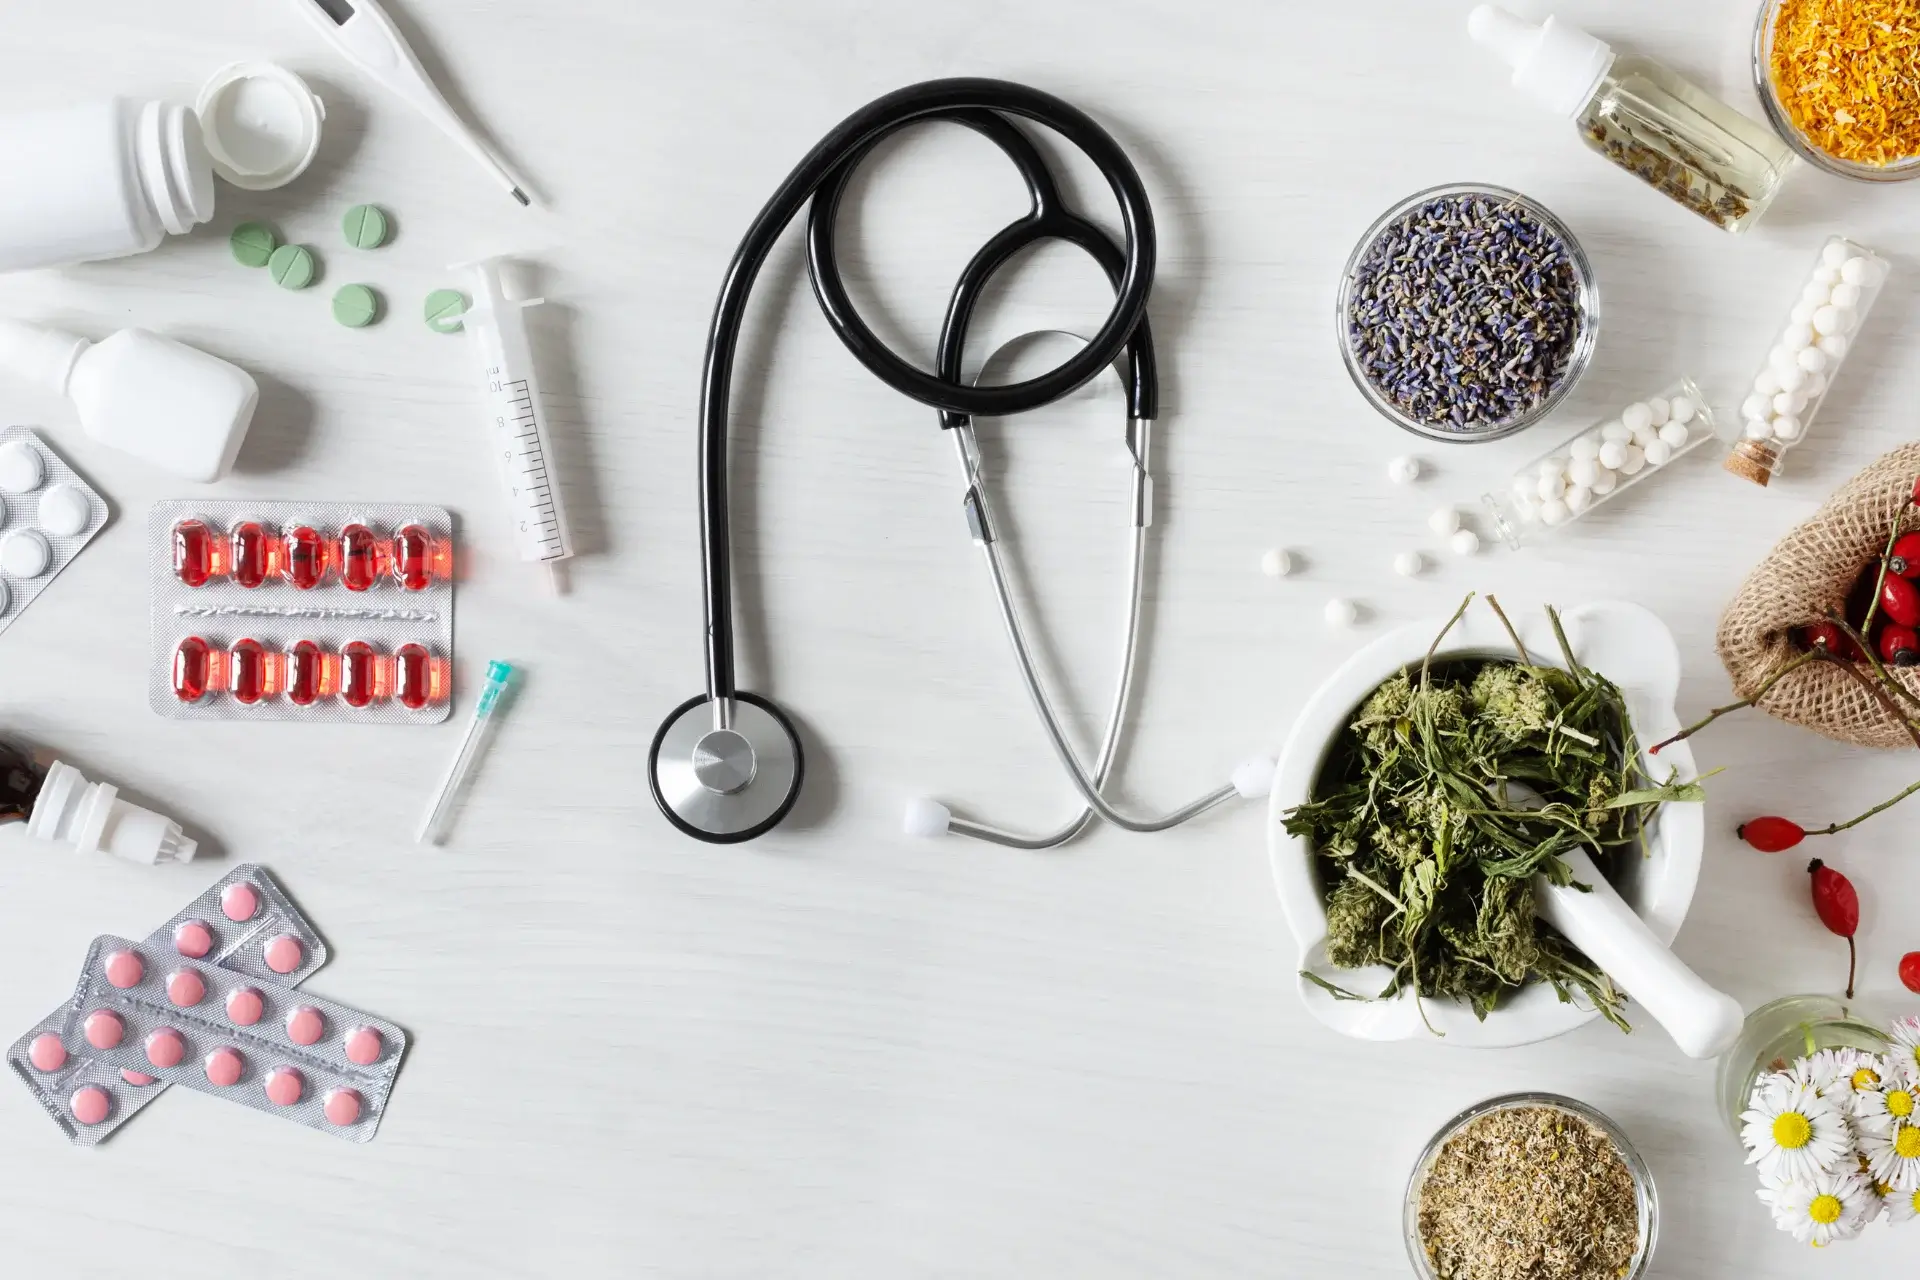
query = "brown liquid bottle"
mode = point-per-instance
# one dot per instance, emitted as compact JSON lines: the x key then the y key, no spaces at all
{"x":19,"y":784}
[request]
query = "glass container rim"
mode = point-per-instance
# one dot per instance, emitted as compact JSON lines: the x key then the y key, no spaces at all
{"x":1646,"y":1195}
{"x":1587,"y":299}
{"x":1904,"y":170}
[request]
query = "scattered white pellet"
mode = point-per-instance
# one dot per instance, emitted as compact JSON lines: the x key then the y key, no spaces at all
{"x":1605,"y":483}
{"x":1583,"y":472}
{"x":1758,"y":429}
{"x":1637,"y":417}
{"x":1674,"y":435}
{"x":1798,"y":337}
{"x":1277,"y":562}
{"x":1831,"y":320}
{"x":1409,"y":564}
{"x":1553,"y":511}
{"x":1834,"y":255}
{"x":1464,"y":542}
{"x":1444,"y":521}
{"x":1586,"y":446}
{"x":1659,"y":453}
{"x":1662,"y":410}
{"x":1636,"y":459}
{"x":1578,"y":499}
{"x":1846,"y":296}
{"x":1861,"y":272}
{"x":1615,"y":430}
{"x":1835,"y":345}
{"x":1404,"y":469}
{"x":1552,"y":486}
{"x":1613,"y":453}
{"x":1683,"y":409}
{"x":1342,"y":613}
{"x":1786,"y":427}
{"x":1812,"y":359}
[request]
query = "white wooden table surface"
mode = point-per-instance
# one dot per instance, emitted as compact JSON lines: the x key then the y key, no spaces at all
{"x":837,"y":1052}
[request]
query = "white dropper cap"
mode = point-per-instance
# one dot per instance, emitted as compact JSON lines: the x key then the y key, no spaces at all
{"x":1253,"y":778}
{"x":93,"y":819}
{"x":40,"y":354}
{"x":927,"y":818}
{"x":1557,"y":65}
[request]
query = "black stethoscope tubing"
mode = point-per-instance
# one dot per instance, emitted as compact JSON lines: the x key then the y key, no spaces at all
{"x":823,"y":176}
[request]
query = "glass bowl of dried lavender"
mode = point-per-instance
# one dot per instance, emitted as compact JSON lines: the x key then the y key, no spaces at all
{"x":1467,"y":313}
{"x":1530,"y":1186}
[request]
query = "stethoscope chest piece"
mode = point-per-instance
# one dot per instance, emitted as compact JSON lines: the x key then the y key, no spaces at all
{"x":724,"y":778}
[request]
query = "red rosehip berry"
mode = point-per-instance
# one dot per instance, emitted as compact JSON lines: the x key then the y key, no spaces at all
{"x":1905,"y":560}
{"x":1771,"y":835}
{"x":1900,"y":646}
{"x":1900,"y":600}
{"x":1910,"y":971}
{"x":1825,"y":635}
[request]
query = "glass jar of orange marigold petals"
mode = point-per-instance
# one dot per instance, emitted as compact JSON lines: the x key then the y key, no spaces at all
{"x":1840,"y":81}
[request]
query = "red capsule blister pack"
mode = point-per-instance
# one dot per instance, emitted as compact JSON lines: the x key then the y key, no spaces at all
{"x":301,"y":611}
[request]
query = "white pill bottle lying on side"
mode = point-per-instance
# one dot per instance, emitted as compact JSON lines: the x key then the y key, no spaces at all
{"x":114,"y":178}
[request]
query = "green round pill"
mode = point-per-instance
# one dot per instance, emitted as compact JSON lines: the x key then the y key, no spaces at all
{"x":356,"y":306}
{"x":253,"y":244}
{"x":293,"y":266}
{"x":366,"y":226}
{"x":445,"y":307}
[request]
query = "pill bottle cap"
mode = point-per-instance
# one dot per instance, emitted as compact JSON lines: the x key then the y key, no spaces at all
{"x":39,"y":354}
{"x":261,"y":124}
{"x":93,"y":819}
{"x":1557,"y":65}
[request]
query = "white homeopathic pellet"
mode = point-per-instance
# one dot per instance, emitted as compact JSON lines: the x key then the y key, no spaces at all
{"x":1586,"y":447}
{"x":1613,"y":454}
{"x":1674,"y":435}
{"x":1605,"y":483}
{"x":1277,"y":562}
{"x":1636,"y":417}
{"x":1341,"y":612}
{"x":1662,"y":410}
{"x":1404,"y":469}
{"x":1578,"y":499}
{"x":1409,"y":564}
{"x":1658,"y":453}
{"x":1464,"y":542}
{"x":1683,"y":409}
{"x":1444,"y":521}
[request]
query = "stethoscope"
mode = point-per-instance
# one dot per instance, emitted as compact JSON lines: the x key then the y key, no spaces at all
{"x":727,"y":765}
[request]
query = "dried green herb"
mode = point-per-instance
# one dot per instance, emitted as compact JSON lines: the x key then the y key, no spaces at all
{"x":1449,"y":790}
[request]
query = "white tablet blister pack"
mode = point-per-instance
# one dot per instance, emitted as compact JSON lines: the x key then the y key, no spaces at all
{"x":47,"y":516}
{"x":235,"y":925}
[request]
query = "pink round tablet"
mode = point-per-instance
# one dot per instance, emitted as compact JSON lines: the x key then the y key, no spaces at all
{"x":244,"y":1006}
{"x":46,"y":1053}
{"x":285,"y":1085}
{"x":223,"y":1067}
{"x":186,"y":988}
{"x":284,"y":953}
{"x":239,"y":901}
{"x":104,"y":1029}
{"x":138,"y":1079}
{"x":125,"y":969}
{"x":166,"y":1047}
{"x":342,"y":1107}
{"x":90,"y":1105}
{"x":363,"y":1046}
{"x":306,"y":1025}
{"x":193,"y":940}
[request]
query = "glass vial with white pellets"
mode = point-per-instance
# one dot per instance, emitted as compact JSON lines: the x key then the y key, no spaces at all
{"x":1643,"y":117}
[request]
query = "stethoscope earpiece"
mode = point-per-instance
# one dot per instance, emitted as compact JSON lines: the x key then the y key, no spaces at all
{"x":724,"y":773}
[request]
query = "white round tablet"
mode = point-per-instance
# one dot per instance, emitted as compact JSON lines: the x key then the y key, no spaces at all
{"x":25,"y":554}
{"x":64,"y":511}
{"x":21,"y":470}
{"x":6,"y":597}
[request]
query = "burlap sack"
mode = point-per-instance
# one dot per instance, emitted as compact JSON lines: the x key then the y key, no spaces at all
{"x":1809,"y":573}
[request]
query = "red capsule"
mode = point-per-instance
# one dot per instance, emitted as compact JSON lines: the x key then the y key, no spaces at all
{"x":359,"y":557}
{"x":306,"y":674}
{"x":413,"y":558}
{"x":1900,"y":646}
{"x":359,"y":675}
{"x":1771,"y":835}
{"x":248,"y":678}
{"x":193,"y":555}
{"x":306,"y":558}
{"x":1900,"y":600}
{"x":413,"y":676}
{"x":190,"y":669}
{"x":252,"y":558}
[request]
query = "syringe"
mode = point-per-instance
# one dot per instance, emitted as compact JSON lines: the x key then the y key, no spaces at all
{"x":516,"y":420}
{"x":434,"y":828}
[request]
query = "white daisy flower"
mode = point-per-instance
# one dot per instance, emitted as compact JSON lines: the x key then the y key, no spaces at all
{"x":1823,"y":1208}
{"x":1768,"y":1086}
{"x":1894,"y":1156}
{"x":1905,"y":1034}
{"x":1854,"y":1073}
{"x":1793,"y":1133}
{"x":1902,"y":1206}
{"x":1770,"y":1188}
{"x":1895,"y":1100}
{"x":1825,"y":1069}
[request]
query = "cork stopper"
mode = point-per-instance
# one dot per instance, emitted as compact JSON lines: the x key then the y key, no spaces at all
{"x":1752,"y":460}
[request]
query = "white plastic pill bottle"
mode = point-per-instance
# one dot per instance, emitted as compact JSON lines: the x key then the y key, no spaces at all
{"x":114,"y":178}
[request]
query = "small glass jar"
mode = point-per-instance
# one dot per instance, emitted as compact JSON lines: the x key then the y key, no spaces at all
{"x":1645,"y":1196}
{"x":1806,"y":357}
{"x":1587,"y":301}
{"x":1601,"y":463}
{"x":1776,"y":1034}
{"x":1777,"y":115}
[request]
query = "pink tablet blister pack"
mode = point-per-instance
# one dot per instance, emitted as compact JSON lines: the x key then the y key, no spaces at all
{"x":143,"y":1007}
{"x":301,"y":611}
{"x":245,"y":923}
